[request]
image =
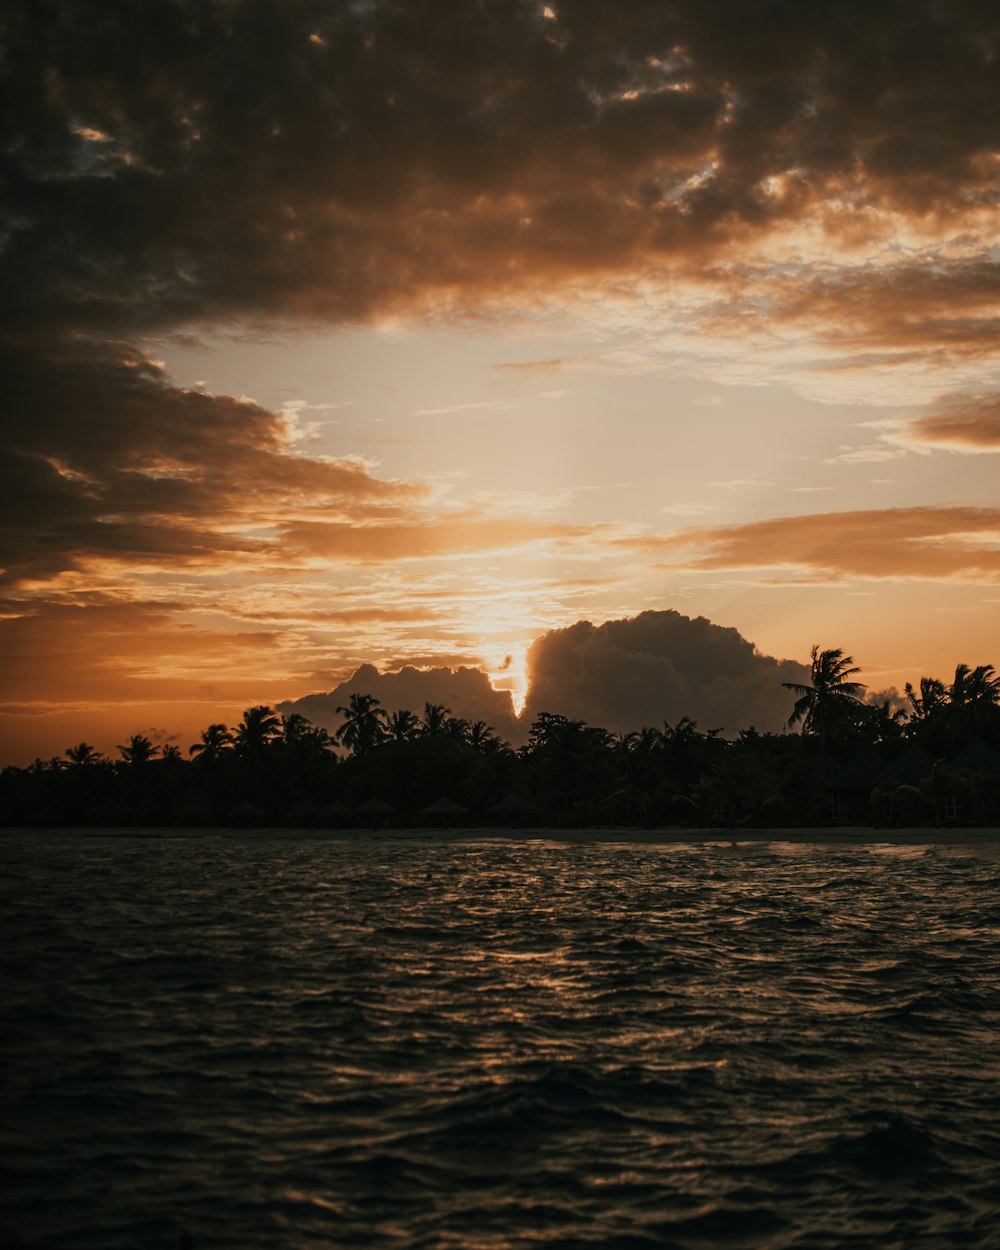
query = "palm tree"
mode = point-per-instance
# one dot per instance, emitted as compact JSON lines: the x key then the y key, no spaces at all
{"x":216,"y":740}
{"x":482,"y":737}
{"x":138,"y":751}
{"x":832,"y":701}
{"x":930,"y":699}
{"x":885,"y":723}
{"x":402,"y":725}
{"x":686,"y":754}
{"x":256,"y":731}
{"x":303,"y":740}
{"x":364,"y":724}
{"x":457,"y":729}
{"x":295,"y":728}
{"x":83,"y":753}
{"x":928,"y":714}
{"x":435,"y":719}
{"x":973,"y":705}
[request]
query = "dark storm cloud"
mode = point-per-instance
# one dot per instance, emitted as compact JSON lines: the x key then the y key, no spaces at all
{"x":175,"y":161}
{"x":654,"y":667}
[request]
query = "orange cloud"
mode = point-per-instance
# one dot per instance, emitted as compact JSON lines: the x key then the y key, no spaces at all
{"x":969,"y":423}
{"x":468,"y":532}
{"x":939,"y":544}
{"x":108,"y":460}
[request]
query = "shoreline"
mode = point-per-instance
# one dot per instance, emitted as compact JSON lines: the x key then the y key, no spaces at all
{"x":846,"y":835}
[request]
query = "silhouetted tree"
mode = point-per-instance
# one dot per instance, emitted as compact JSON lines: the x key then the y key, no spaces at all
{"x":884,"y":723}
{"x":457,"y":729}
{"x":259,"y":727}
{"x":215,"y":741}
{"x":831,"y":704}
{"x":139,"y":750}
{"x":435,"y":720}
{"x":931,"y":698}
{"x":402,"y":726}
{"x":364,"y":724}
{"x":83,"y":753}
{"x":482,"y":737}
{"x":973,"y":708}
{"x":572,"y":759}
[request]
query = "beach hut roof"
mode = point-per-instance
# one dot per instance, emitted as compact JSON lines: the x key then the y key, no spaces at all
{"x":977,"y":757}
{"x":445,"y":807}
{"x":193,"y":800}
{"x":863,"y":770}
{"x":335,"y":808}
{"x":828,"y":770}
{"x":304,"y":809}
{"x":375,"y":807}
{"x":246,"y":811}
{"x":512,"y":803}
{"x":910,"y":766}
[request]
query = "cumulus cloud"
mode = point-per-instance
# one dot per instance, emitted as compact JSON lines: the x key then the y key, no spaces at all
{"x":465,"y":690}
{"x":938,"y":544}
{"x":654,"y":667}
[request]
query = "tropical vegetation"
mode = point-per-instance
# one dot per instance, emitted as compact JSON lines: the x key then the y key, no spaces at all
{"x":933,"y":758}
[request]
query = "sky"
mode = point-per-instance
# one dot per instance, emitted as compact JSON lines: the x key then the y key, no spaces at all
{"x":419,"y":335}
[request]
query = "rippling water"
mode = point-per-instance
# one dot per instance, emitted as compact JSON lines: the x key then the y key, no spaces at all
{"x":306,"y":1043}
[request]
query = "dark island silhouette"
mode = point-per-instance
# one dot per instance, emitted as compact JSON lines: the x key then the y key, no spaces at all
{"x":933,"y":761}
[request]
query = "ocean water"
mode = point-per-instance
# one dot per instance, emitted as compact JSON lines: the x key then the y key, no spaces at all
{"x":306,"y":1043}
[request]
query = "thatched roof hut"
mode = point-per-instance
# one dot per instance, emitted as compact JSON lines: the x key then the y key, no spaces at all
{"x":445,"y":807}
{"x":305,"y":816}
{"x":375,"y":812}
{"x":375,"y":807}
{"x":246,"y":815}
{"x":863,"y":770}
{"x":977,"y":757}
{"x":445,"y":811}
{"x":512,"y":810}
{"x":335,"y":815}
{"x":910,"y":767}
{"x":513,"y":805}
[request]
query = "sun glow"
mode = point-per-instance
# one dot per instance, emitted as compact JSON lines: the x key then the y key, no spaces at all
{"x":510,"y":672}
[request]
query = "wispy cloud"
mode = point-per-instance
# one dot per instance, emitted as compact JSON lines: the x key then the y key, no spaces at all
{"x":964,"y":423}
{"x":959,"y":544}
{"x":485,"y":405}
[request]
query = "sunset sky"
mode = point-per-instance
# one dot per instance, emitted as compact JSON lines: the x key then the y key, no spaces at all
{"x":357,"y":332}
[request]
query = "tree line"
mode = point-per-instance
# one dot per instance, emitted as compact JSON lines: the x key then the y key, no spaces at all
{"x":934,"y":758}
